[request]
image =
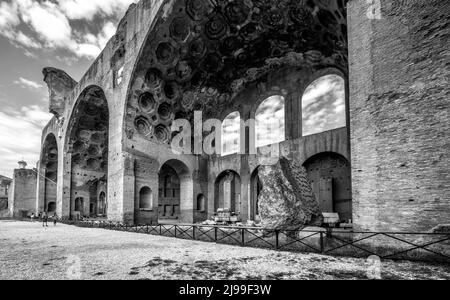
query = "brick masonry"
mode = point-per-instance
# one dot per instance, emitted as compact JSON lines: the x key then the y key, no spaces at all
{"x":400,"y":114}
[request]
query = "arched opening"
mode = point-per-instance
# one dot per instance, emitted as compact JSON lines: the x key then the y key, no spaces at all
{"x":49,"y":168}
{"x":228,"y":192}
{"x":88,"y":146}
{"x":102,"y":204}
{"x":323,"y":105}
{"x":330,"y":177}
{"x":51,"y":208}
{"x":169,"y":193}
{"x":175,"y":201}
{"x":270,"y":122}
{"x":79,"y":205}
{"x":201,"y":203}
{"x":255,"y":190}
{"x":92,"y":209}
{"x":231,"y":128}
{"x":202,"y":54}
{"x":145,"y":198}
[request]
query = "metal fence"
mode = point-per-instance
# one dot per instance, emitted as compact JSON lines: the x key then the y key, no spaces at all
{"x":386,"y":245}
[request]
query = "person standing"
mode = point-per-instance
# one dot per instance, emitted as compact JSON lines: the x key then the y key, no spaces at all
{"x":44,"y":219}
{"x":55,"y":219}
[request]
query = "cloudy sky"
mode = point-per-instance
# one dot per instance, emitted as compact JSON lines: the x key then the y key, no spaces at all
{"x":66,"y":34}
{"x":323,"y":105}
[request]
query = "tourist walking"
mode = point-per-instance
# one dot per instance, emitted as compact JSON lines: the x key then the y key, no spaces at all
{"x":55,"y":219}
{"x":44,"y":219}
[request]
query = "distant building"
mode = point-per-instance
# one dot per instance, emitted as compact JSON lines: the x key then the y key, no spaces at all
{"x":22,"y":195}
{"x":5,"y":184}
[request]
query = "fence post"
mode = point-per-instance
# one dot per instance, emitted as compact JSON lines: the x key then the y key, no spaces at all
{"x":277,"y":239}
{"x":160,"y":229}
{"x":175,"y":230}
{"x":193,"y":233}
{"x":322,"y":248}
{"x":215,"y":234}
{"x":243,"y":236}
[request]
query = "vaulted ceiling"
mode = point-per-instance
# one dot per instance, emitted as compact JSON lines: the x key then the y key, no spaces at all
{"x":204,"y":52}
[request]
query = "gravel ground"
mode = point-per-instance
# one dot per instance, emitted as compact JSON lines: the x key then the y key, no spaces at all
{"x":28,"y":251}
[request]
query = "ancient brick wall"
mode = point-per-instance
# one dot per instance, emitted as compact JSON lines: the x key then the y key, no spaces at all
{"x":400,"y":114}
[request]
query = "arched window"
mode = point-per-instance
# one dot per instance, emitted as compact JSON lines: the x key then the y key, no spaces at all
{"x":231,"y":127}
{"x":79,"y":204}
{"x":201,"y":203}
{"x":270,"y":122}
{"x":145,"y":198}
{"x":323,"y":105}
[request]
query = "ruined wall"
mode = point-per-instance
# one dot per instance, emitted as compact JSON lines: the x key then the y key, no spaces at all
{"x":125,"y":55}
{"x":23,"y":194}
{"x":111,"y":72}
{"x":299,"y":150}
{"x":5,"y":186}
{"x":146,"y":175}
{"x":400,"y":114}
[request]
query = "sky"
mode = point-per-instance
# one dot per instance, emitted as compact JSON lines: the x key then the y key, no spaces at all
{"x":66,"y":34}
{"x":323,"y":105}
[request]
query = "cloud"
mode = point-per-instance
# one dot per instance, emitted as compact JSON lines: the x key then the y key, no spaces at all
{"x":20,"y":136}
{"x":231,"y":130}
{"x":8,"y":14}
{"x":51,"y":24}
{"x":93,"y":44}
{"x":270,"y":122}
{"x":28,"y":83}
{"x":88,"y":9}
{"x":323,"y":105}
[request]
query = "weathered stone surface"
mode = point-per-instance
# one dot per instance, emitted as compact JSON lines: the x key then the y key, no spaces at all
{"x":441,"y":228}
{"x":400,"y":120}
{"x":59,"y":85}
{"x":287,"y":200}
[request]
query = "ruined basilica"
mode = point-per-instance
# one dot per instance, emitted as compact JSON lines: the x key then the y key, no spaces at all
{"x":107,"y":151}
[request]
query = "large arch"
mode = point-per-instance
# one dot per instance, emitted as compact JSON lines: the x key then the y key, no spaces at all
{"x":202,"y":55}
{"x":48,"y":174}
{"x":175,"y":193}
{"x":198,"y":56}
{"x":330,"y":177}
{"x":87,"y":143}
